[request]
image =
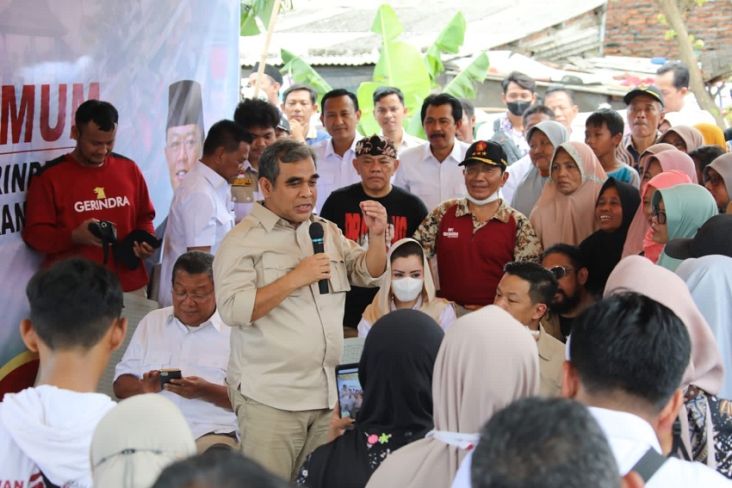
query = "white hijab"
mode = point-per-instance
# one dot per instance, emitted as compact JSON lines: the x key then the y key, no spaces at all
{"x":137,"y":439}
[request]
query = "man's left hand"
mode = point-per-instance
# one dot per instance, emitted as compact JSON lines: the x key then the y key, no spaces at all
{"x":142,"y":250}
{"x":375,"y":217}
{"x":188,"y":387}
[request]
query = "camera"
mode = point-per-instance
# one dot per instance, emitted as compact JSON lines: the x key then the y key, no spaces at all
{"x":104,"y":230}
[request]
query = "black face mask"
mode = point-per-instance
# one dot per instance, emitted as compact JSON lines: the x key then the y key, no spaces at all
{"x":518,"y":108}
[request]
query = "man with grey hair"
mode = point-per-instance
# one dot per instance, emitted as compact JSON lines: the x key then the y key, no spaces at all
{"x":285,"y":300}
{"x":189,"y":337}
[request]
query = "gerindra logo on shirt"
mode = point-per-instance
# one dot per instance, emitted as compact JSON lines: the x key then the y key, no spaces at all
{"x":450,"y":233}
{"x":101,"y":202}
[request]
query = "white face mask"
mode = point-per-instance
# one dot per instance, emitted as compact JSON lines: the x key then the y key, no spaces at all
{"x":407,"y":289}
{"x":494,"y":196}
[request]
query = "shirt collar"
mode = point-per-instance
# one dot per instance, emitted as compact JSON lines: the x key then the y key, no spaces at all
{"x":213,"y":321}
{"x":329,"y":151}
{"x":617,"y":424}
{"x":216,"y":180}
{"x":503,"y":213}
{"x":269,"y":219}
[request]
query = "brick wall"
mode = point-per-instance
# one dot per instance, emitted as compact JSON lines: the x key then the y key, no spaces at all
{"x":632,"y":28}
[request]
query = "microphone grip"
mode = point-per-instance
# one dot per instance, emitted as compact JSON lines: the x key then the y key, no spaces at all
{"x":317,"y":249}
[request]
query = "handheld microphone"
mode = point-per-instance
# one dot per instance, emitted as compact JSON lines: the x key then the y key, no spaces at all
{"x":316,"y":235}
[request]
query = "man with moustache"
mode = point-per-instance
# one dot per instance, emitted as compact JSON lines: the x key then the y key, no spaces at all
{"x":184,"y":130}
{"x":572,"y":297}
{"x":432,"y":171}
{"x":287,"y":337}
{"x":474,"y":237}
{"x":645,"y":113}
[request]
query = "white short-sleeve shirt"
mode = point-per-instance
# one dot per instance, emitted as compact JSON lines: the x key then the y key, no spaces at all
{"x":431,"y":180}
{"x":333,"y":170}
{"x":162,"y":341}
{"x":201,"y":214}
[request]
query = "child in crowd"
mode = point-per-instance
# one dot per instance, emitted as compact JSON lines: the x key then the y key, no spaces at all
{"x":407,"y":283}
{"x":74,"y":326}
{"x":603,"y":133}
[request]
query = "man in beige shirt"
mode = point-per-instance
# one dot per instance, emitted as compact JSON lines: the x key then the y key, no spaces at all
{"x":525,"y":291}
{"x":286,"y":337}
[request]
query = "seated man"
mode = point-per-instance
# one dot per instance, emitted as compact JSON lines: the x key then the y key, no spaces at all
{"x":572,"y":297}
{"x":474,"y":237}
{"x":375,"y":162}
{"x":190,"y":337}
{"x":74,"y":325}
{"x":525,"y":291}
{"x":570,"y":450}
{"x":628,"y":354}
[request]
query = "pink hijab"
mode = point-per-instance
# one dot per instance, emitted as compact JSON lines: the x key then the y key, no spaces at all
{"x":652,"y":151}
{"x":671,"y":160}
{"x":636,"y":274}
{"x":570,"y":219}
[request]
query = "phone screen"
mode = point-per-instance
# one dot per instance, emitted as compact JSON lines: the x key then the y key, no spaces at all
{"x":350,"y":394}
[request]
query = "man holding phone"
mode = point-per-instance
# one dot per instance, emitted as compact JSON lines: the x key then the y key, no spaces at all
{"x":189,"y":344}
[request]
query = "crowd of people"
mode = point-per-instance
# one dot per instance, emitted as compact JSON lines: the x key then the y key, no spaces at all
{"x":540,"y":304}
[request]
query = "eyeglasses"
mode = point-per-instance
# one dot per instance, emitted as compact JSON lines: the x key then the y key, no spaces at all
{"x":659,"y":215}
{"x":196,"y":297}
{"x":560,"y":272}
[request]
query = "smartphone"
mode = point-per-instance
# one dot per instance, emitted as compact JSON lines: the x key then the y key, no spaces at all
{"x":350,"y":393}
{"x":167,"y":374}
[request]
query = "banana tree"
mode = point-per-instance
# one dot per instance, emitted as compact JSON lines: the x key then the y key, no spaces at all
{"x":302,"y":72}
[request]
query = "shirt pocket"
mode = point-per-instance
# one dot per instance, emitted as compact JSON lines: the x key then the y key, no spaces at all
{"x":156,"y":359}
{"x":338,"y":275}
{"x":275,"y":266}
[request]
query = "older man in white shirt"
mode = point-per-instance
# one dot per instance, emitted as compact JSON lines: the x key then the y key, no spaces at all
{"x":431,"y":171}
{"x":202,"y":211}
{"x":334,"y":156}
{"x":189,"y":337}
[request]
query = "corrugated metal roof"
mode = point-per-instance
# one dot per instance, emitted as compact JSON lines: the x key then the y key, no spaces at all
{"x":337,"y":32}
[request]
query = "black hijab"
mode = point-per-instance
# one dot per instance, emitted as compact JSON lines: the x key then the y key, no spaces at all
{"x":395,"y":372}
{"x":603,"y":250}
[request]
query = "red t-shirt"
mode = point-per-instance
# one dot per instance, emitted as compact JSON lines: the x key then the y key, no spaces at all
{"x":471,"y":263}
{"x":65,"y":193}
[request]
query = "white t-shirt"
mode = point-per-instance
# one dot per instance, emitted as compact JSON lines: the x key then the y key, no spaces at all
{"x":48,"y":429}
{"x":162,"y":341}
{"x":333,"y":170}
{"x":431,"y":180}
{"x":201,"y":214}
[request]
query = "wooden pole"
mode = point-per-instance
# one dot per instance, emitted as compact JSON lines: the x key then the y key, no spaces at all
{"x":265,"y":49}
{"x":673,"y":15}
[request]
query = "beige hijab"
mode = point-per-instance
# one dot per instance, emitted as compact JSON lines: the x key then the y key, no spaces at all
{"x":380,"y":306}
{"x":638,"y":274}
{"x":137,"y":439}
{"x":570,"y":219}
{"x":487,"y":360}
{"x":651,"y":151}
{"x":690,"y":135}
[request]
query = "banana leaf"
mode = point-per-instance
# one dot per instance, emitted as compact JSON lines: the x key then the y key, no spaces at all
{"x":448,"y":41}
{"x":463,"y":85}
{"x":302,"y":72}
{"x":253,"y":11}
